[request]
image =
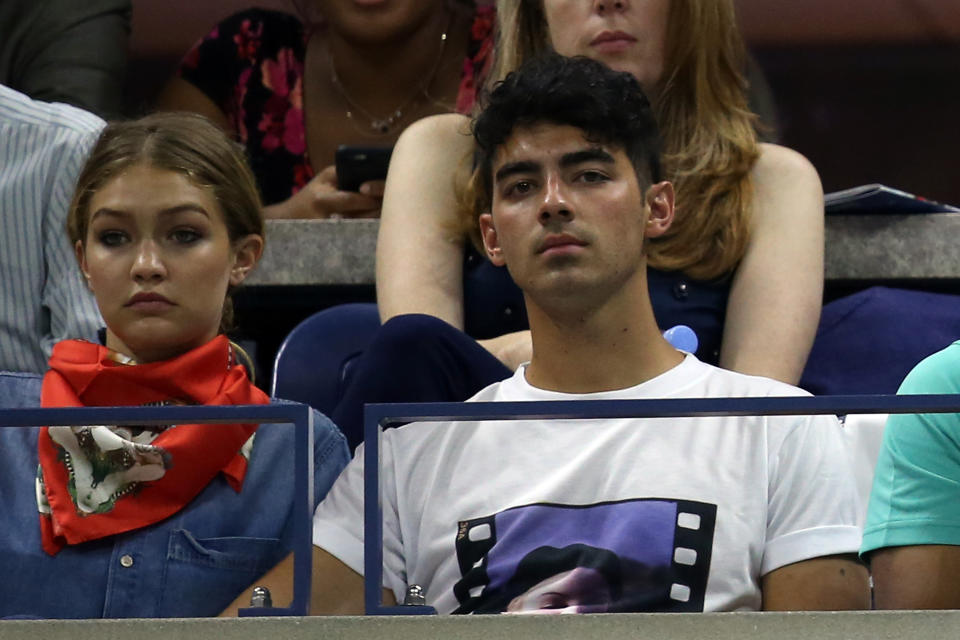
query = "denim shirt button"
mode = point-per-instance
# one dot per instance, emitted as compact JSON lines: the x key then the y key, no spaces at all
{"x":680,"y":291}
{"x":126,"y":561}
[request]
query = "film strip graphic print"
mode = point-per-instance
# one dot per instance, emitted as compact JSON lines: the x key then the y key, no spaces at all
{"x":650,"y":554}
{"x":692,"y":550}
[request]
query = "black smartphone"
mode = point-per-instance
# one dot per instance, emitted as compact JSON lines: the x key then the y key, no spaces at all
{"x":356,"y":165}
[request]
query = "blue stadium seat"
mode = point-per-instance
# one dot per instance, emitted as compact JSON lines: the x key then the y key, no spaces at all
{"x":868,"y":341}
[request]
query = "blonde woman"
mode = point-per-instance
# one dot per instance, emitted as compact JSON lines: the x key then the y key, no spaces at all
{"x":172,"y":521}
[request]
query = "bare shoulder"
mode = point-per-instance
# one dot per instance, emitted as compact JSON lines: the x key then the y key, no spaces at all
{"x":785,"y":183}
{"x":425,"y":159}
{"x":777,"y":164}
{"x":423,"y":167}
{"x":447,"y":129}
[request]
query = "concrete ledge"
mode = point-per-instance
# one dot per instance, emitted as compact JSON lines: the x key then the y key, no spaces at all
{"x":318,"y":252}
{"x":872,"y":625}
{"x":858,"y":247}
{"x":881,"y":247}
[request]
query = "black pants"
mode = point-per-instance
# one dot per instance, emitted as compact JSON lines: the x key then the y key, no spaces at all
{"x":415,"y":358}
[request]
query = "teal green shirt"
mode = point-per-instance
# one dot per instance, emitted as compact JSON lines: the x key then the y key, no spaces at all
{"x":916,"y":486}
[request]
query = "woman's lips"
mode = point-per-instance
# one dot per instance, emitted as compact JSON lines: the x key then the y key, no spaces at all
{"x":148,"y":302}
{"x":612,"y":42}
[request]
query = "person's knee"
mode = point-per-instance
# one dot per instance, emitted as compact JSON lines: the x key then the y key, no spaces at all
{"x":410,"y":337}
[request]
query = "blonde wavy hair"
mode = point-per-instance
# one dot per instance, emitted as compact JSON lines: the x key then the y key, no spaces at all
{"x":709,"y":133}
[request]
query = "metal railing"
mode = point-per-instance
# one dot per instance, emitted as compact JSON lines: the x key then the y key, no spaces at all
{"x":380,"y":416}
{"x":299,"y":415}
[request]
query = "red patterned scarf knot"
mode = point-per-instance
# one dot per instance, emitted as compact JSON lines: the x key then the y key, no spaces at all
{"x":97,"y":481}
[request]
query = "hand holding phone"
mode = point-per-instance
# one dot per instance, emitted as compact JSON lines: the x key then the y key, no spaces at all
{"x":322,"y":198}
{"x":356,"y":165}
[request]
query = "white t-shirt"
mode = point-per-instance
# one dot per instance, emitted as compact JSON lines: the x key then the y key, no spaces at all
{"x":678,"y":514}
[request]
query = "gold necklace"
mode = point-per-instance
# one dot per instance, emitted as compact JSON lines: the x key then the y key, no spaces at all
{"x":384,"y":126}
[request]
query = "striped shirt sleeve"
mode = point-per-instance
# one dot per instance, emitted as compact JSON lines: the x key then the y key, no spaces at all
{"x":43,"y":298}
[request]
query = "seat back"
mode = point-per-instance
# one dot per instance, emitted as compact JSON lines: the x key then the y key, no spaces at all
{"x":868,"y":341}
{"x":315,"y":359}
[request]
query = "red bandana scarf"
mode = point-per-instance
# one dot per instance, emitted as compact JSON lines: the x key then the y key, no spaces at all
{"x":98,"y":481}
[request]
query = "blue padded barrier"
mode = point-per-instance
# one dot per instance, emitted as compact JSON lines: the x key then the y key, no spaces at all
{"x":380,"y":416}
{"x":300,"y":415}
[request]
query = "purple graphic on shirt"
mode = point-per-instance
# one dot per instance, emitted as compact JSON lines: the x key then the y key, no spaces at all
{"x":633,"y":555}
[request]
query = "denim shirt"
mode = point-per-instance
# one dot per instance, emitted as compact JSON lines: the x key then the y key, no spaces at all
{"x":191,"y":564}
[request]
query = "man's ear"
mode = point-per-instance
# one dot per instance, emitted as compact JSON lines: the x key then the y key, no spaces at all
{"x":491,"y":241}
{"x":660,"y":200}
{"x":247,"y":252}
{"x":82,"y":261}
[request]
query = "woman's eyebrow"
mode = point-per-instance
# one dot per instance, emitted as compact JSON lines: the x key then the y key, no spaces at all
{"x":106,"y":211}
{"x":185,"y":207}
{"x":180,"y":208}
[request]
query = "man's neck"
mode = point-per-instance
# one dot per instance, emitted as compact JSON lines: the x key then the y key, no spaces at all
{"x":615,"y":346}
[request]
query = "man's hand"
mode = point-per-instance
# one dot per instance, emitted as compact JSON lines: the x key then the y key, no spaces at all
{"x":830,"y":583}
{"x":321,"y":198}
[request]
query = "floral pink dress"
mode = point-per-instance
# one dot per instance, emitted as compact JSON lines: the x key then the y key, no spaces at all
{"x":251,"y":65}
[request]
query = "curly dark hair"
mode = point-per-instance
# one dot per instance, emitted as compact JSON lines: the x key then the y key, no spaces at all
{"x":609,"y":107}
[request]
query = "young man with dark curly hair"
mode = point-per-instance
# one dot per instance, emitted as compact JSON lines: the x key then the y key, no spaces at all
{"x":721,"y":513}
